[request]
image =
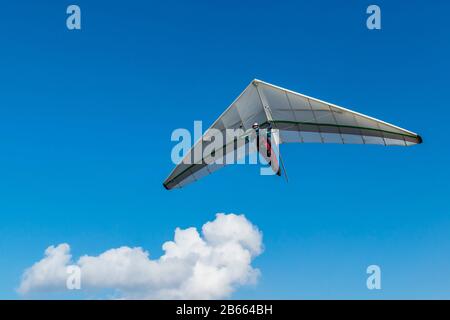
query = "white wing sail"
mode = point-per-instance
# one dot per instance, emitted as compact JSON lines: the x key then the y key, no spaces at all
{"x":296,"y":118}
{"x":304,"y":119}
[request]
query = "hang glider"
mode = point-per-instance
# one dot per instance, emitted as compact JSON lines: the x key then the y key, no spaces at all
{"x":293,"y":117}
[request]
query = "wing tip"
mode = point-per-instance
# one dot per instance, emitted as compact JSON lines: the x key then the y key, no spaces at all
{"x":419,"y":139}
{"x":165,"y":186}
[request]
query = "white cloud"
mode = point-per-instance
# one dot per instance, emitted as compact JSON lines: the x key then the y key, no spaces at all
{"x":193,"y":266}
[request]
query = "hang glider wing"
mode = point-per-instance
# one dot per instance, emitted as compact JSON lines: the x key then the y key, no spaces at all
{"x":241,"y":114}
{"x":304,"y":119}
{"x":295,"y":118}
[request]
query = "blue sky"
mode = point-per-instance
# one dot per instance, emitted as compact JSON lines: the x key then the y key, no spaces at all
{"x":86,"y":118}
